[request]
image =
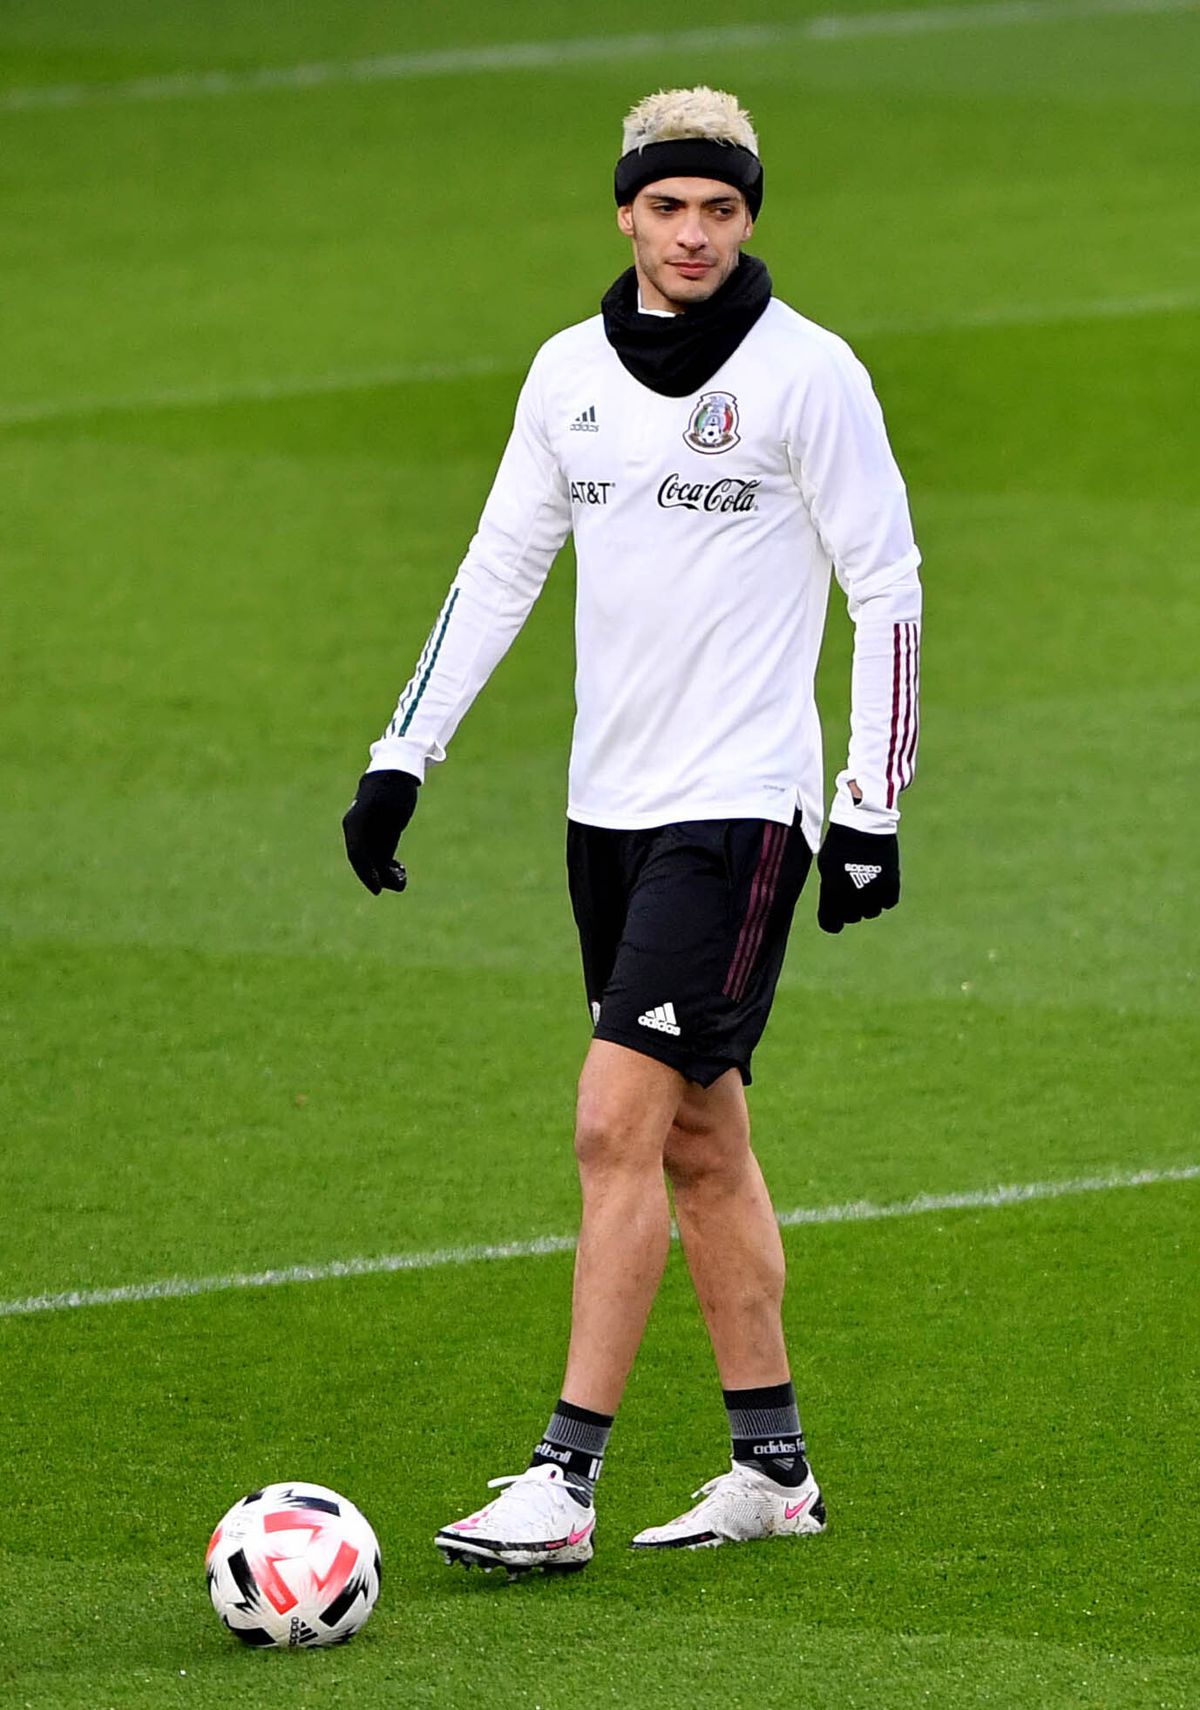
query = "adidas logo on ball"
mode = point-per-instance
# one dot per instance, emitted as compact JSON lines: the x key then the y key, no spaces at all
{"x":293,"y":1566}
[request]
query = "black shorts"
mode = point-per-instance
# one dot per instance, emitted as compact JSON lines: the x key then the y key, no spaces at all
{"x":683,"y":930}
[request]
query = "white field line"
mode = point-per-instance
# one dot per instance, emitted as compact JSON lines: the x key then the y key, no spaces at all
{"x":1041,"y":314}
{"x":855,"y":1211}
{"x":401,"y":374}
{"x":585,"y":50}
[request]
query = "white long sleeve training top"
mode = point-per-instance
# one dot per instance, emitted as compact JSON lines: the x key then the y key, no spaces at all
{"x":706,"y":529}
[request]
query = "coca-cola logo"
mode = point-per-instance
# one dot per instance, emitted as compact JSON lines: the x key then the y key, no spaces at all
{"x":730,"y":493}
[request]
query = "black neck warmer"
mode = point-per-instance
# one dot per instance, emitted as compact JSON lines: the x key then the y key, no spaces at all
{"x":674,"y":357}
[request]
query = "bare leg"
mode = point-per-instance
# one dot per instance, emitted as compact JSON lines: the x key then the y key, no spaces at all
{"x":729,"y":1233}
{"x":627,"y":1103}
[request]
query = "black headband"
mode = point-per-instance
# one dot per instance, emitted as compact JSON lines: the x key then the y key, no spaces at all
{"x":691,"y":157}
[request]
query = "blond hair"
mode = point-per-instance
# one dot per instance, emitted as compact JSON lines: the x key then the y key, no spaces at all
{"x":673,"y":114}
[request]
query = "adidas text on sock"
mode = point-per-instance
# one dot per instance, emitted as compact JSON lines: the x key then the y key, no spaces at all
{"x":764,"y":1427}
{"x":575,"y":1440}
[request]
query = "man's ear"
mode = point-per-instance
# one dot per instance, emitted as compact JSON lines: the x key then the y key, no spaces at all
{"x":625,"y":219}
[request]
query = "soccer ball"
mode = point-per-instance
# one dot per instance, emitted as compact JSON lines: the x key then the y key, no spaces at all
{"x":293,"y":1564}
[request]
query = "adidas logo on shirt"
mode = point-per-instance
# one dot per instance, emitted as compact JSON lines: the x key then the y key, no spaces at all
{"x":860,"y":876}
{"x":585,"y":421}
{"x":661,"y":1018}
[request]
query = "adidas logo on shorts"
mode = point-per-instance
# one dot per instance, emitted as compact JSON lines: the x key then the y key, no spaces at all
{"x":661,"y":1018}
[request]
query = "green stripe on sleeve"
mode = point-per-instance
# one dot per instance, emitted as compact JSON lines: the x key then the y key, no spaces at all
{"x":437,"y":648}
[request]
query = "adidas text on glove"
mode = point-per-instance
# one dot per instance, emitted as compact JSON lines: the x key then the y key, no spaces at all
{"x":860,"y":876}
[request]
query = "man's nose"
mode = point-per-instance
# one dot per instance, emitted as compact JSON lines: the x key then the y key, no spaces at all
{"x":691,"y":235}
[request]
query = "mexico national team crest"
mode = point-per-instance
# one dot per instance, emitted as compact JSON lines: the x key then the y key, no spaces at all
{"x":714,"y":423}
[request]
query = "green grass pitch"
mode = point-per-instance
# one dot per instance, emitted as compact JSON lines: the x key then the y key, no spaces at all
{"x":258,"y":352}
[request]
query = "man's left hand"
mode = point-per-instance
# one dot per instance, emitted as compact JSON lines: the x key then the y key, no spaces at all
{"x":383,"y":805}
{"x":860,"y":876}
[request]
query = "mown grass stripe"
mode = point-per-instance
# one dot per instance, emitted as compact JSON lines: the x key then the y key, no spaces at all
{"x":853,"y":1211}
{"x":253,"y":391}
{"x":18,"y":414}
{"x":504,"y":57}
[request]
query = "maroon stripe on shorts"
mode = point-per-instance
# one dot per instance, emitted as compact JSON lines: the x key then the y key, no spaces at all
{"x":762,"y":895}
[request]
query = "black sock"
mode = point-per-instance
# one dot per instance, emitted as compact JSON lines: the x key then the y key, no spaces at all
{"x":765,"y":1428}
{"x":575,"y":1440}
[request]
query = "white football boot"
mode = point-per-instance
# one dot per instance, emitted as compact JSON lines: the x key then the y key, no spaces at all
{"x":536,"y":1523}
{"x":740,"y":1505}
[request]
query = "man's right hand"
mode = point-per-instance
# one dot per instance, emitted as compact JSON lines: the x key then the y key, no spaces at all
{"x":382,"y":807}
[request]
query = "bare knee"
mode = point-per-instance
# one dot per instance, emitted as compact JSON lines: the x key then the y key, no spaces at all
{"x":604,"y":1136}
{"x":613,"y":1133}
{"x":699,"y":1157}
{"x":626,"y":1104}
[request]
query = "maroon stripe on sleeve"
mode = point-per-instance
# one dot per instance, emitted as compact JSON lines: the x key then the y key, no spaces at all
{"x":891,"y":759}
{"x":909,"y":757}
{"x":910,"y":642}
{"x":762,"y":895}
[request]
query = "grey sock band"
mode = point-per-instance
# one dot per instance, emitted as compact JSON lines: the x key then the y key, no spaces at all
{"x":764,"y":1425}
{"x":575,"y":1441}
{"x":584,"y":1436}
{"x":764,"y":1421}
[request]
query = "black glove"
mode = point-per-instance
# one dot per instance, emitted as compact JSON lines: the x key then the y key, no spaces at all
{"x":860,"y":876}
{"x":382,"y":807}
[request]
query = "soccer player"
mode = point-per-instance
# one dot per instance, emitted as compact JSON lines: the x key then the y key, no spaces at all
{"x":716,"y":456}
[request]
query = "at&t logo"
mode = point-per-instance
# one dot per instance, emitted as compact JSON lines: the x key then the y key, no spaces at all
{"x":591,"y":492}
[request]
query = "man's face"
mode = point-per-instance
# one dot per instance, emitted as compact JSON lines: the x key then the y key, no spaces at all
{"x":687,"y":234}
